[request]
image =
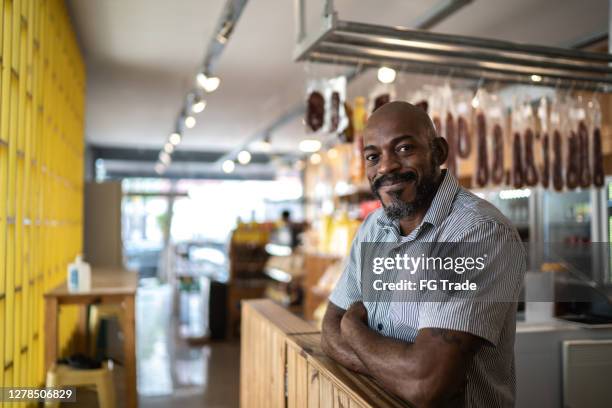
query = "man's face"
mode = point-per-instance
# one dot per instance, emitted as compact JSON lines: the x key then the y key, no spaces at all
{"x":400,"y":164}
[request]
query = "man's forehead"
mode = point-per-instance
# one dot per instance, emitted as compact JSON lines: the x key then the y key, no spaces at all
{"x":398,"y":119}
{"x":391,"y":127}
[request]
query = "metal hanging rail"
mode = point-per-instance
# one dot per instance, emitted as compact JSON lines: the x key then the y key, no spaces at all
{"x":352,"y":43}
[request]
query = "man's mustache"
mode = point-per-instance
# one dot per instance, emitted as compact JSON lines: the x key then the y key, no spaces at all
{"x":393,"y":178}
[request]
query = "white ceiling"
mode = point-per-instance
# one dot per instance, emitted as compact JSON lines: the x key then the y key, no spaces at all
{"x":142,"y":56}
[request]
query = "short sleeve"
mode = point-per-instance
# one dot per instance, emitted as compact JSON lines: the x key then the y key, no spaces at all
{"x":499,"y":283}
{"x":348,"y":288}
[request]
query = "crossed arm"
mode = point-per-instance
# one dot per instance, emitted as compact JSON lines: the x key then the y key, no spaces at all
{"x":427,"y":373}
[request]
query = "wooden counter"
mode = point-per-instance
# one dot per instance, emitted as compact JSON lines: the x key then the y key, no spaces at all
{"x":282,"y":365}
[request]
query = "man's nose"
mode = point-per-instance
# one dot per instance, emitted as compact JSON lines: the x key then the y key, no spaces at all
{"x":388,"y":164}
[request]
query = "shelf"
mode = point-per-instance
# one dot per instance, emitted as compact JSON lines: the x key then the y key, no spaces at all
{"x":369,"y":45}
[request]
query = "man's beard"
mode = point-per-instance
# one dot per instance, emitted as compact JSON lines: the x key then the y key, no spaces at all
{"x":398,"y":209}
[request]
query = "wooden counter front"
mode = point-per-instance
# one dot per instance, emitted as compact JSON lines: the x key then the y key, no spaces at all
{"x":282,"y":365}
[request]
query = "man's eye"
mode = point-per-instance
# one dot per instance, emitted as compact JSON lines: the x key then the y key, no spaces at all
{"x":404,"y":148}
{"x":371,"y":157}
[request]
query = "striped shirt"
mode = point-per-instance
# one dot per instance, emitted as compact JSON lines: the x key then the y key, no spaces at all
{"x":455,"y":215}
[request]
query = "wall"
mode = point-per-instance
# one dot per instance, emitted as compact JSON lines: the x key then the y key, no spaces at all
{"x":41,"y":176}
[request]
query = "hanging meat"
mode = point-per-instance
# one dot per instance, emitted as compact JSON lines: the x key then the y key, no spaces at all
{"x":381,"y":100}
{"x":451,"y":162}
{"x":545,"y":173}
{"x":497,"y":167}
{"x":482,"y":166}
{"x":464,"y":141}
{"x":518,"y":177}
{"x":315,"y":111}
{"x":335,"y":111}
{"x":585,"y":166}
{"x":557,"y":164}
{"x":530,"y":171}
{"x":598,"y":169}
{"x":572,"y":174}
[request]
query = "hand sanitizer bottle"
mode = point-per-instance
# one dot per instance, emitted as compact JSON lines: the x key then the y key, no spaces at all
{"x":73,"y":276}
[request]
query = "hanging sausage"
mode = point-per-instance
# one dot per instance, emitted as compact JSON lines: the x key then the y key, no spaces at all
{"x":497,"y":168}
{"x":315,"y":111}
{"x":450,"y":133}
{"x":594,"y":114}
{"x":557,"y":115}
{"x":557,"y":163}
{"x":464,"y":140}
{"x":531,"y":174}
{"x":573,"y":161}
{"x":544,"y":143}
{"x":585,"y":166}
{"x":482,"y":165}
{"x":598,"y":169}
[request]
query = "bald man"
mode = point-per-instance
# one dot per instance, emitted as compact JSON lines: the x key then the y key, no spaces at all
{"x":428,"y":353}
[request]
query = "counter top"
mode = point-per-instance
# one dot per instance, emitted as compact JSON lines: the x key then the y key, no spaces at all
{"x":104,"y":281}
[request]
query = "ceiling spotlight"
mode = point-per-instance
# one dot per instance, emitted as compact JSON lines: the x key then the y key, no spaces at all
{"x":198,"y":106}
{"x":160,"y":168}
{"x":228,"y":166}
{"x":211,"y":84}
{"x":175,"y":138}
{"x":208,"y":83}
{"x":332,"y":153}
{"x":386,"y":75}
{"x":315,"y":158}
{"x":169,"y":148}
{"x":244,"y":157}
{"x":310,"y":145}
{"x":165,"y":158}
{"x":190,"y":122}
{"x":536,"y":78}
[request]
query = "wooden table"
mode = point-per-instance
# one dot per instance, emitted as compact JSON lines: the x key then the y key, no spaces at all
{"x":108,"y":286}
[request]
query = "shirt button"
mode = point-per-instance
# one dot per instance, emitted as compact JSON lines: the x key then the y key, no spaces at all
{"x":380,"y":326}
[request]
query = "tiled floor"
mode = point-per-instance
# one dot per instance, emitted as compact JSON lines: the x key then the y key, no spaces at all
{"x":170,"y":372}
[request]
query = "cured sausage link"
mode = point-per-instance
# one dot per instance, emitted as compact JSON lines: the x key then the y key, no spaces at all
{"x":598,"y":168}
{"x":482,"y":166}
{"x":557,"y":164}
{"x":585,"y":166}
{"x":530,"y":171}
{"x":518,"y":178}
{"x":497,"y":170}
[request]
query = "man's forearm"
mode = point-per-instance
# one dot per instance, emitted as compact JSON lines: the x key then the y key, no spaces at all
{"x":334,"y":345}
{"x":340,"y":350}
{"x":387,"y":360}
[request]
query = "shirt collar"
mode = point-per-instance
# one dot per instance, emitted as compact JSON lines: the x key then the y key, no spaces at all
{"x":440,"y":205}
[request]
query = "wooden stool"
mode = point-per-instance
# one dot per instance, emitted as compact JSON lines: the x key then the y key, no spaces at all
{"x":102,"y":378}
{"x":96,"y":314}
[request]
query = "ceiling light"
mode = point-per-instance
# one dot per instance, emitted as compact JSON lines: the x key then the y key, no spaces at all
{"x":536,"y":78}
{"x":211,"y":84}
{"x":165,"y":158}
{"x":475,"y":102}
{"x":228,"y":166}
{"x":198,"y":106}
{"x":332,"y":153}
{"x":190,"y":122}
{"x":160,"y":168}
{"x":168,"y":148}
{"x":310,"y":145}
{"x":244,"y":157}
{"x":201,"y":79}
{"x":175,"y":138}
{"x":262,"y":145}
{"x":208,"y":83}
{"x":386,"y":75}
{"x":315,"y":158}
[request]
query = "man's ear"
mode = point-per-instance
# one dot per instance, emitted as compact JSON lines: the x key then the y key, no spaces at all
{"x":439,"y":150}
